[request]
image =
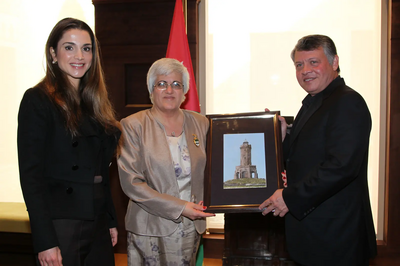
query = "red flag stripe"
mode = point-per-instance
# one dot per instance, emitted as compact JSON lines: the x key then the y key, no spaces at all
{"x":178,"y":48}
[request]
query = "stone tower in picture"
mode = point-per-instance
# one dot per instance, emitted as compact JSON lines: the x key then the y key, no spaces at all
{"x":245,"y":169}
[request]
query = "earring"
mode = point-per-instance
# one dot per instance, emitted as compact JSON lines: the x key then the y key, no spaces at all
{"x":54,"y":62}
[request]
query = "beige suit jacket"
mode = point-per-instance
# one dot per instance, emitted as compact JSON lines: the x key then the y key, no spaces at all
{"x":147,"y":173}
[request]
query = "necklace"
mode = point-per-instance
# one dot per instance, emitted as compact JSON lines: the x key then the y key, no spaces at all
{"x":173,"y":133}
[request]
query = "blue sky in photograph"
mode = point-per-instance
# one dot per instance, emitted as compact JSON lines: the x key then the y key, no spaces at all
{"x":232,"y":143}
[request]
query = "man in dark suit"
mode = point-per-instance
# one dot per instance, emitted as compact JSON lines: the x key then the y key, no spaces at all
{"x":326,"y":201}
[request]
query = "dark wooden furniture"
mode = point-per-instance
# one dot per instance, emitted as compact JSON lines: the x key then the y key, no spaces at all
{"x":254,"y":239}
{"x":15,"y":235}
{"x":16,"y":249}
{"x":213,"y":245}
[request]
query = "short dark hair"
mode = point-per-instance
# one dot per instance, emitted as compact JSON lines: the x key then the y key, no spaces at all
{"x":313,"y":42}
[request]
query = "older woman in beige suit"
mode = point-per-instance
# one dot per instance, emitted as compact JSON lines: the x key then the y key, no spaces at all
{"x":161,"y":170}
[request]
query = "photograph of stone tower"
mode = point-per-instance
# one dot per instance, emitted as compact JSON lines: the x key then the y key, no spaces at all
{"x":244,"y":161}
{"x":245,"y":169}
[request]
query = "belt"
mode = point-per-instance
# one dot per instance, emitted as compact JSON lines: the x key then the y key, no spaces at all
{"x":98,"y":179}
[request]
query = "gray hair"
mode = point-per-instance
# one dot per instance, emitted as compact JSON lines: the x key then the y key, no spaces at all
{"x":313,"y":42}
{"x":166,"y":66}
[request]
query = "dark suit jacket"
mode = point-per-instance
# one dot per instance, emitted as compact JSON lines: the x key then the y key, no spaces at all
{"x":56,"y":170}
{"x":326,"y":154}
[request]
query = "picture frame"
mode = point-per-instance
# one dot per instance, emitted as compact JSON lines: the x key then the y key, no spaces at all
{"x":244,"y":161}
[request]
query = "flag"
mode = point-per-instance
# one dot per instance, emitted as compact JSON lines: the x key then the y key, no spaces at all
{"x":200,"y":254}
{"x":178,"y":48}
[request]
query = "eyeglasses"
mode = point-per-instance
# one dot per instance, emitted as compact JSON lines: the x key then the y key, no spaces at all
{"x":163,"y":85}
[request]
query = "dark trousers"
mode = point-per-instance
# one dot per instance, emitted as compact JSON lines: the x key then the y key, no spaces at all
{"x":86,"y":243}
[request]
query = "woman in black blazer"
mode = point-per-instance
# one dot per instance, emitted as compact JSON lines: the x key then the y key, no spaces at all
{"x":67,"y":136}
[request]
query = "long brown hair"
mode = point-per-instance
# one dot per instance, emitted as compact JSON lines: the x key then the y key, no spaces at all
{"x":91,"y":97}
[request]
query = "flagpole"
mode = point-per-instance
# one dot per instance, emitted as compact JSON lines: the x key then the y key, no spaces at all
{"x":184,"y":4}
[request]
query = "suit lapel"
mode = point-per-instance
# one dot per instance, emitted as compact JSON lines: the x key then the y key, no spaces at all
{"x":304,"y":118}
{"x":314,"y":107}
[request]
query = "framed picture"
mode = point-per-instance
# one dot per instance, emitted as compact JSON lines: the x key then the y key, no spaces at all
{"x":244,"y":161}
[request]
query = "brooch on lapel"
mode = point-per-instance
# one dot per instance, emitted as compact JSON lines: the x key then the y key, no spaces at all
{"x":196,"y":140}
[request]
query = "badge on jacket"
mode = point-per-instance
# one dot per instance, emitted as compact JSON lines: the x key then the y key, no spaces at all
{"x":196,"y":140}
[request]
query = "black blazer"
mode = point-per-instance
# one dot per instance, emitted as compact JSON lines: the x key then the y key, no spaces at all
{"x":326,"y":155}
{"x":56,"y":170}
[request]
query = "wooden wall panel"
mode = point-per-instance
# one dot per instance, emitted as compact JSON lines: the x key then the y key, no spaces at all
{"x":132,"y":35}
{"x":389,"y":248}
{"x":134,"y":23}
{"x":393,"y":175}
{"x":125,"y":70}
